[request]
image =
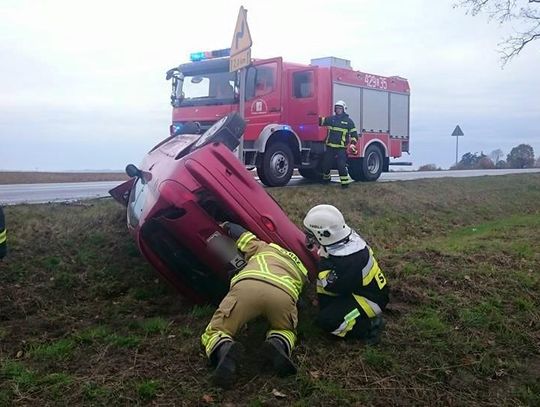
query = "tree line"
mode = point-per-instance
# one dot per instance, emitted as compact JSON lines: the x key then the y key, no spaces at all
{"x":521,"y":156}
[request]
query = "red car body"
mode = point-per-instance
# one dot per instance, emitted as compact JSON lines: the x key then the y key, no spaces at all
{"x":182,"y":195}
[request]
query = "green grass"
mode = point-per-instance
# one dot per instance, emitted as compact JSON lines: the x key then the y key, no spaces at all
{"x":59,"y":350}
{"x":147,"y":390}
{"x":155,"y":326}
{"x":96,"y":326}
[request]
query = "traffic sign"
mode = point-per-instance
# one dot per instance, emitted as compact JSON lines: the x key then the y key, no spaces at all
{"x":240,"y":60}
{"x":457,"y":131}
{"x":242,"y":38}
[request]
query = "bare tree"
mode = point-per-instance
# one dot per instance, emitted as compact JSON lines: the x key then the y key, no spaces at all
{"x":496,"y":155}
{"x":525,"y":13}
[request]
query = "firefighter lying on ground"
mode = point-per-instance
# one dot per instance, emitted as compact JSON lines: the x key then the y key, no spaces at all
{"x":269,"y":286}
{"x":3,"y":234}
{"x":351,"y":288}
{"x":341,"y":132}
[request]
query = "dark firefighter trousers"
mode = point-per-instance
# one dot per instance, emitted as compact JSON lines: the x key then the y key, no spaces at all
{"x":340,"y":157}
{"x":343,"y":316}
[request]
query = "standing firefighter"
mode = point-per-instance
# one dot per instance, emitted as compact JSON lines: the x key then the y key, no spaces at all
{"x":269,"y":285}
{"x":3,"y":234}
{"x":341,"y":132}
{"x":351,"y":287}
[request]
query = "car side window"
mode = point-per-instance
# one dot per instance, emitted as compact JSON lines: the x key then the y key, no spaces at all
{"x":303,"y":86}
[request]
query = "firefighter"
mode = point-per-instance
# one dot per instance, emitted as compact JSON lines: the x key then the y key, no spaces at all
{"x":3,"y":234}
{"x":341,"y":132}
{"x":269,"y":286}
{"x":351,"y":288}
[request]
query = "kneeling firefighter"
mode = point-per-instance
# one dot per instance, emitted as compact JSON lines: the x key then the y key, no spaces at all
{"x":269,"y":285}
{"x":351,"y":288}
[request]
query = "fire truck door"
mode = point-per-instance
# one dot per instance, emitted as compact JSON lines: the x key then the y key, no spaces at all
{"x":302,"y":112}
{"x":263,"y":96}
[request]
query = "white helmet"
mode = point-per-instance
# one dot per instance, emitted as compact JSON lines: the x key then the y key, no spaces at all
{"x":342,"y":104}
{"x":326,"y":224}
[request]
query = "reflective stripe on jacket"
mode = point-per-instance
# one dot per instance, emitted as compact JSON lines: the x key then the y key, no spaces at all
{"x":341,"y":130}
{"x":271,"y":263}
{"x":358,"y":274}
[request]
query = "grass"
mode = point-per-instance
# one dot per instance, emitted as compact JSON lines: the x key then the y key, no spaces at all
{"x":85,"y":321}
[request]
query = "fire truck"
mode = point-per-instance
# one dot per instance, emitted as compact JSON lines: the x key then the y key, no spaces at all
{"x":282,"y":104}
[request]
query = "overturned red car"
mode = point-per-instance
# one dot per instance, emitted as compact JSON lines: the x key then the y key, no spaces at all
{"x":185,"y":188}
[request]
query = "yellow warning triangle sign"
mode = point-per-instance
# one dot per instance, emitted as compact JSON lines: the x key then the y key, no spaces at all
{"x":242,"y":38}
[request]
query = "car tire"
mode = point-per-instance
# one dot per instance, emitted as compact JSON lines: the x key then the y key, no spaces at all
{"x":227,"y":130}
{"x":276,"y":166}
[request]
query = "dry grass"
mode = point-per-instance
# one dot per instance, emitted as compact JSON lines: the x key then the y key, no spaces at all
{"x":84,"y":320}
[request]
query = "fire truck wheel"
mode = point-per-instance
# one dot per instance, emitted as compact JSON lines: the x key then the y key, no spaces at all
{"x":314,"y":174}
{"x":227,"y":130}
{"x":372,"y":163}
{"x":276,"y":167}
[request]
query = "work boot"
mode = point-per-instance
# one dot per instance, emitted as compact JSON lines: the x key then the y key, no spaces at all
{"x":227,"y":356}
{"x":373,"y":336}
{"x":344,"y":186}
{"x":277,"y":353}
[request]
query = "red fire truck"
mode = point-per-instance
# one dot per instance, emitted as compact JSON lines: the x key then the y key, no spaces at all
{"x":282,"y":104}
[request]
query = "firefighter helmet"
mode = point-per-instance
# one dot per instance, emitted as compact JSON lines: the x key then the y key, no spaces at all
{"x":326,"y":224}
{"x":342,"y":104}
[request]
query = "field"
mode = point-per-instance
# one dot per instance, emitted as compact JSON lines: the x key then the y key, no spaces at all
{"x":22,"y":177}
{"x":85,"y":321}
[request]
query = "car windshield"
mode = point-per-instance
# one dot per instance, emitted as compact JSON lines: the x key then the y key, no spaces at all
{"x":207,"y":89}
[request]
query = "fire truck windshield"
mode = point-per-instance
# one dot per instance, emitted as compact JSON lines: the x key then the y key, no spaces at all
{"x":205,"y":89}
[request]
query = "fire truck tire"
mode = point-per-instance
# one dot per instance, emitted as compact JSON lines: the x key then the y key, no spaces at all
{"x":314,"y":174}
{"x":276,"y":166}
{"x":227,"y":130}
{"x":371,"y":164}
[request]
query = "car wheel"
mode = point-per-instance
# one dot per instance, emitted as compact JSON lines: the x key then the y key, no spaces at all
{"x":226,"y":130}
{"x":372,"y":163}
{"x":277,"y":164}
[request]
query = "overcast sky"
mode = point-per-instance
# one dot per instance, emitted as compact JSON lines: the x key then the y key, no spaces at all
{"x":82,"y":83}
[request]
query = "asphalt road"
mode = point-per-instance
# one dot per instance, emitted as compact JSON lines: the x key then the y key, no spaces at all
{"x":63,"y":192}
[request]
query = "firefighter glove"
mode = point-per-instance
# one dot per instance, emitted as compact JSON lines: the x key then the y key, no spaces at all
{"x":233,"y":230}
{"x":353,"y":148}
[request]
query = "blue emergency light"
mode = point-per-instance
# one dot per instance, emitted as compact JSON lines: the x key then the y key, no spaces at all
{"x":203,"y":55}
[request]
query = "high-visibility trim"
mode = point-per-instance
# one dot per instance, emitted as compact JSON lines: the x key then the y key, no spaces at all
{"x":335,"y":145}
{"x":3,"y":236}
{"x":322,"y":291}
{"x":327,"y":176}
{"x":282,"y":260}
{"x":372,"y":273}
{"x":293,"y":257}
{"x":244,"y":239}
{"x":346,"y":179}
{"x":340,"y":129}
{"x":322,"y":276}
{"x":284,"y":282}
{"x":322,"y":283}
{"x":371,"y":308}
{"x":348,"y":323}
{"x":288,"y":336}
{"x":210,"y":339}
{"x":353,"y":129}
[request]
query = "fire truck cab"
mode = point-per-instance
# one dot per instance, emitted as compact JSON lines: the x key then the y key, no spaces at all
{"x":283,"y":102}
